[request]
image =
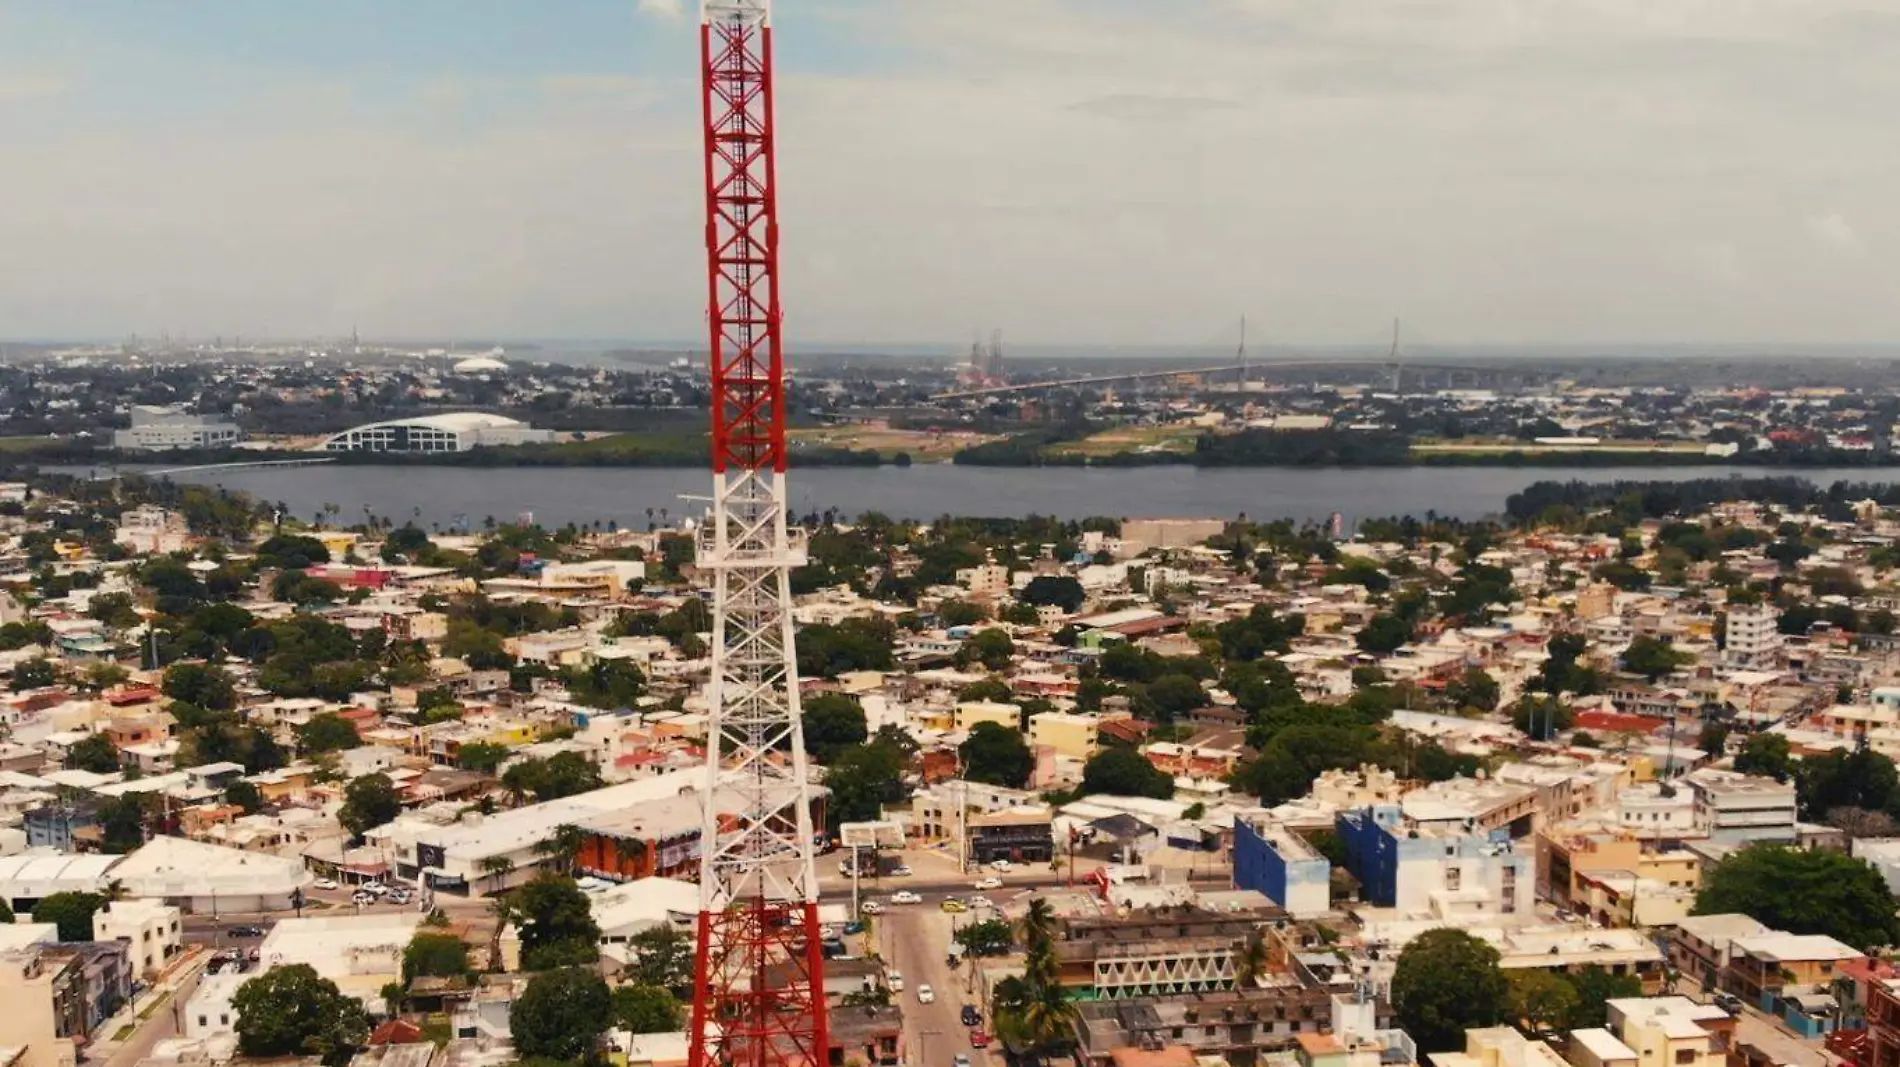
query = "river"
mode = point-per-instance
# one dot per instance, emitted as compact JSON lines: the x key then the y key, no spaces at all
{"x":558,"y":495}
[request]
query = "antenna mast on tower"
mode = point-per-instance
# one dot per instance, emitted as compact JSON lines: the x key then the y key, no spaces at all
{"x":758,"y":990}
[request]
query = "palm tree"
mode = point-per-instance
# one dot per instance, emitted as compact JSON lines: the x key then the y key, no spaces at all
{"x":1049,"y":1021}
{"x":1039,"y":923}
{"x":497,"y":868}
{"x":563,"y":846}
{"x":1250,"y":960}
{"x":629,"y":851}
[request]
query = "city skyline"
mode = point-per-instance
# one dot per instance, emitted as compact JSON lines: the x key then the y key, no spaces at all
{"x":1081,"y":174}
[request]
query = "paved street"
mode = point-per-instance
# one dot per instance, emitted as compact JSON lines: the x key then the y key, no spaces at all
{"x":915,"y":938}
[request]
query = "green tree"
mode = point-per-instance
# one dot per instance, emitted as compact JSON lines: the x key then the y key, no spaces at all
{"x":1652,"y":658}
{"x":991,"y":937}
{"x":1804,"y":892}
{"x":95,"y":753}
{"x":36,"y":673}
{"x":369,"y":802}
{"x":1863,"y":779}
{"x":122,"y":822}
{"x":1542,"y":717}
{"x":563,"y":774}
{"x":434,"y":953}
{"x":556,"y":922}
{"x":71,"y":912}
{"x":992,"y":648}
{"x":997,"y":755}
{"x":1543,"y":1001}
{"x":1121,"y":771}
{"x":1766,"y":754}
{"x":864,"y":779}
{"x":201,"y":685}
{"x":562,"y":1014}
{"x":1447,"y":982}
{"x":292,"y":1011}
{"x":645,"y":1009}
{"x":1383,"y":634}
{"x":327,"y":732}
{"x":481,"y":756}
{"x":117,"y":610}
{"x":244,"y":795}
{"x":1174,"y":695}
{"x":1474,"y":689}
{"x":961,"y":613}
{"x":662,"y":958}
{"x":1595,"y":989}
{"x":833,"y":723}
{"x":1056,"y":590}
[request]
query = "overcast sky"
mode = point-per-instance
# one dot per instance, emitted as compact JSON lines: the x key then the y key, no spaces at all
{"x":1113,"y":171}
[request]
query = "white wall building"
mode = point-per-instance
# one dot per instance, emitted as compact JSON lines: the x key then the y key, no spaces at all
{"x":1752,"y":641}
{"x":1740,"y":809}
{"x":457,"y":432}
{"x":152,"y":931}
{"x":152,"y":530}
{"x":156,"y":428}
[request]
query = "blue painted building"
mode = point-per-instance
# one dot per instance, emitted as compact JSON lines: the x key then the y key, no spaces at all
{"x":1270,"y":859}
{"x":1445,"y":869}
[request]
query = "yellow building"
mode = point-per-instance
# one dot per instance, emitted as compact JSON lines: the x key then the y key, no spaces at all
{"x":1655,"y":1032}
{"x":339,"y":542}
{"x":971,"y":712}
{"x":1068,"y":734}
{"x":1498,"y":1046}
{"x":1571,"y":859}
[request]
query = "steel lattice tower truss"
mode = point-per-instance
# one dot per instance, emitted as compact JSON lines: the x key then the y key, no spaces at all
{"x":758,"y":999}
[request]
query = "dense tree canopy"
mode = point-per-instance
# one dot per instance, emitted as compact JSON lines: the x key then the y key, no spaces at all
{"x":997,"y":755}
{"x":1802,"y":891}
{"x":1122,"y":771}
{"x":1447,"y":982}
{"x":562,"y":1014}
{"x":368,"y":802}
{"x":556,"y":922}
{"x":833,"y":722}
{"x":71,"y":911}
{"x":293,"y":1011}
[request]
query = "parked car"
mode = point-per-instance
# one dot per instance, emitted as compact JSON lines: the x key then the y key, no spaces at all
{"x":871,"y":907}
{"x":961,"y":1059}
{"x":324,"y":883}
{"x":1001,"y":865}
{"x":1728,"y":1002}
{"x":991,"y":882}
{"x":980,"y":903}
{"x":245,"y":931}
{"x":377,"y":888}
{"x":972,"y":1017}
{"x":902,"y":870}
{"x":925,"y":994}
{"x":979,"y":1038}
{"x":905,"y":896}
{"x":895,"y":981}
{"x":360,"y":898}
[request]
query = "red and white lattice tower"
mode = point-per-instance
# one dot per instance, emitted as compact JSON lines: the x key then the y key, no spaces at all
{"x":758,"y":1000}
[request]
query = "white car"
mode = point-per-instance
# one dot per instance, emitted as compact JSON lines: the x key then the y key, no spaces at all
{"x":895,"y":981}
{"x":1000,"y":865}
{"x":377,"y":888}
{"x":871,"y":907}
{"x":323,"y":883}
{"x":991,"y":882}
{"x":902,"y":870}
{"x":979,"y":903}
{"x":926,"y":995}
{"x":905,"y":896}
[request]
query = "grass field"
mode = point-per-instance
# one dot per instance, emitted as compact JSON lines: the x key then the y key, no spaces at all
{"x":923,"y":446}
{"x":1133,"y":439}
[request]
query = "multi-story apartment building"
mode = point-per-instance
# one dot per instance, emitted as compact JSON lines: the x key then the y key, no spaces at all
{"x":1752,"y":640}
{"x":1445,"y":870}
{"x":1743,"y":809}
{"x":1270,"y":859}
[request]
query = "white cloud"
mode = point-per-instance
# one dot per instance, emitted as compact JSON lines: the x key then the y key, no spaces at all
{"x":1067,"y":170}
{"x":668,"y":9}
{"x":1833,"y":232}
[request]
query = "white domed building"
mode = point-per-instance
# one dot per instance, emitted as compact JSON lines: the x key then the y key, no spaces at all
{"x":457,"y":432}
{"x":479,"y":365}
